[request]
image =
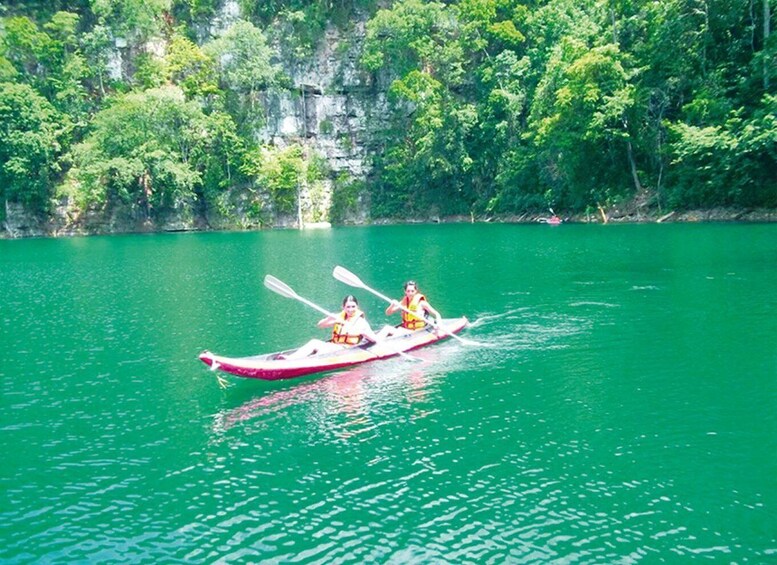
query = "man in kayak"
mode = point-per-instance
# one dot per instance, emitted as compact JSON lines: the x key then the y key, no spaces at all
{"x":349,"y":328}
{"x":419,"y":311}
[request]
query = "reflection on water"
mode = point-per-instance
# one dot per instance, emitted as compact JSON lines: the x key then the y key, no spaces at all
{"x":343,"y":402}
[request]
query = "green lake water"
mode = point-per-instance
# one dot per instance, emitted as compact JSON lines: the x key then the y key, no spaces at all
{"x":625,"y":409}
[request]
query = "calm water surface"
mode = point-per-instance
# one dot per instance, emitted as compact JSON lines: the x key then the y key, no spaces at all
{"x":624,"y":411}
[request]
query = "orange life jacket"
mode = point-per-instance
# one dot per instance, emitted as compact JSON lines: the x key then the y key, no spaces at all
{"x":413,"y":321}
{"x":340,"y":329}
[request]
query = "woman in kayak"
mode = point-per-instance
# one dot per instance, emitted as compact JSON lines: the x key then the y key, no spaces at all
{"x":349,"y":328}
{"x":419,"y":310}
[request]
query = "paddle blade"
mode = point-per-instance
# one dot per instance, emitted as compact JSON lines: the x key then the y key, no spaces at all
{"x":346,"y":276}
{"x":279,"y":287}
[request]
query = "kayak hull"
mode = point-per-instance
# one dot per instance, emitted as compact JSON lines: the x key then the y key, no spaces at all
{"x":270,"y":367}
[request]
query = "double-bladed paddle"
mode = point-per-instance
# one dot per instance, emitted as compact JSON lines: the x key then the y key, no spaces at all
{"x":344,"y":275}
{"x":279,"y":287}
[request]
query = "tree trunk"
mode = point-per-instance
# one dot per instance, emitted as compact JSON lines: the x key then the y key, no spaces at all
{"x":633,"y":166}
{"x":602,"y":212}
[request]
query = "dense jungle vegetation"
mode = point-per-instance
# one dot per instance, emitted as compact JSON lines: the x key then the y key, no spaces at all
{"x":498,"y":106}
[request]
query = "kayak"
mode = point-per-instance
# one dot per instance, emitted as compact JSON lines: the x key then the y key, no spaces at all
{"x":275,"y":366}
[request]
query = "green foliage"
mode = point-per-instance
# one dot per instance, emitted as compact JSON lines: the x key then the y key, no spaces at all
{"x":96,"y":45}
{"x":569,"y":103}
{"x":135,"y":20}
{"x":283,"y":173}
{"x":150,"y":150}
{"x":42,"y":10}
{"x":50,"y":60}
{"x":414,"y":35}
{"x":431,"y":161}
{"x":30,"y":143}
{"x":728,"y":165}
{"x":326,"y":127}
{"x":491,"y":26}
{"x":245,"y":59}
{"x":280,"y":172}
{"x":580,"y":127}
{"x":23,"y":44}
{"x":346,"y":197}
{"x":150,"y":72}
{"x":496,"y":106}
{"x":7,"y":71}
{"x":191,"y":69}
{"x":195,"y":11}
{"x":220,"y":159}
{"x":700,"y":151}
{"x":299,"y":26}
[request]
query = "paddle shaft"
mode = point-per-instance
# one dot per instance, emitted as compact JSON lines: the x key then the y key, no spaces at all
{"x":315,"y":307}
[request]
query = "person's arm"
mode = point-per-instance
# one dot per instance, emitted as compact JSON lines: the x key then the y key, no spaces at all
{"x":327,"y":322}
{"x":370,"y":335}
{"x":393,"y":307}
{"x":362,"y":327}
{"x":428,"y":308}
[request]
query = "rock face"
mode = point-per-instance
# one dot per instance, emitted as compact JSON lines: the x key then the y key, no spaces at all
{"x":333,"y":110}
{"x":20,"y":223}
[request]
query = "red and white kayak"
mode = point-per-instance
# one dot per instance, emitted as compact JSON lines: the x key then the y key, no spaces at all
{"x":273,"y":367}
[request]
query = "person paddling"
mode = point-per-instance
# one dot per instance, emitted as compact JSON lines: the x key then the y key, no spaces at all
{"x":419,"y":308}
{"x":349,"y":328}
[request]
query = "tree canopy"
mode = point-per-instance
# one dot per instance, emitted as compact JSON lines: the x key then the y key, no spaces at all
{"x":495,"y":106}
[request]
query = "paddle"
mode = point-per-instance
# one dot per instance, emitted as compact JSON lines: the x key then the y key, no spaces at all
{"x":279,"y":287}
{"x":344,"y":275}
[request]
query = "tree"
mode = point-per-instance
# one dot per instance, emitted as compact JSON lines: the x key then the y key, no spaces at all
{"x":191,"y":69}
{"x":415,"y":35}
{"x":136,"y":20}
{"x":579,"y":125}
{"x":730,"y":164}
{"x":430,"y":163}
{"x":30,"y":146}
{"x":148,"y":150}
{"x":280,"y":172}
{"x":23,"y":45}
{"x":97,"y":45}
{"x":49,"y":60}
{"x":244,"y":59}
{"x":425,"y":165}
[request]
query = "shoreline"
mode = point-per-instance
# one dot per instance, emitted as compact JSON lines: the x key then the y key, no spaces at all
{"x":603,"y":217}
{"x":612,"y":216}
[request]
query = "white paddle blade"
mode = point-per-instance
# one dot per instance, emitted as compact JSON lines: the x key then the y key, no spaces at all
{"x":344,"y":275}
{"x":279,"y":287}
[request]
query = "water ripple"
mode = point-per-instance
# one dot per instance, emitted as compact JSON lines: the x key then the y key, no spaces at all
{"x":610,"y":422}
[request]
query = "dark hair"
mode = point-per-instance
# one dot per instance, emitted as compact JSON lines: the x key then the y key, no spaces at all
{"x":408,"y":283}
{"x":350,"y":298}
